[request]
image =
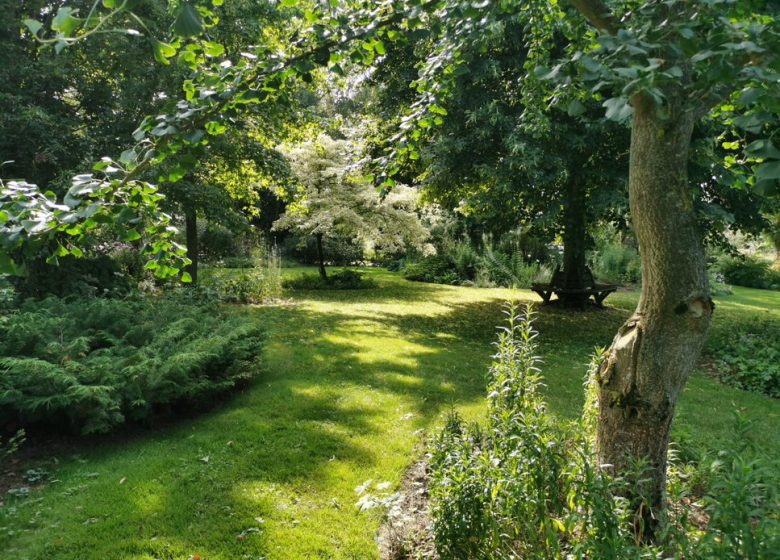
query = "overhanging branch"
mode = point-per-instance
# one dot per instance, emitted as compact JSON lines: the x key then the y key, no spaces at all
{"x":598,"y":14}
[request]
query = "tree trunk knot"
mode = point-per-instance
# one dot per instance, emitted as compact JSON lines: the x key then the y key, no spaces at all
{"x":697,"y":305}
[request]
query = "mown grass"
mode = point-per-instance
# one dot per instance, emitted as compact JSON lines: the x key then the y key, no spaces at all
{"x":351,"y":382}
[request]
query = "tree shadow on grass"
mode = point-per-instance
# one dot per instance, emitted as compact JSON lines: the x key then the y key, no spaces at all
{"x":342,"y":394}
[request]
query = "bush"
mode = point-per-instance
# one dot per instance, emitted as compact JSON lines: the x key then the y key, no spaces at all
{"x":342,"y":280}
{"x":526,"y":486}
{"x":617,"y":263}
{"x":718,"y":286}
{"x":90,"y":365}
{"x":258,"y":285}
{"x":395,"y":265}
{"x":463,"y":264}
{"x":748,"y":271}
{"x":510,"y":270}
{"x":748,"y":357}
{"x":437,"y":269}
{"x":97,"y":275}
{"x":216,"y":242}
{"x":239,"y":262}
{"x":339,"y":250}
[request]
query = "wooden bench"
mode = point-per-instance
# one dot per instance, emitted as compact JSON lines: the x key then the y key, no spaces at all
{"x":573,"y":296}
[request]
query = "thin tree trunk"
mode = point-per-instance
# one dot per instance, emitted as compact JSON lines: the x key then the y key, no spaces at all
{"x":321,"y":257}
{"x":191,"y":232}
{"x":574,"y":233}
{"x":655,"y":351}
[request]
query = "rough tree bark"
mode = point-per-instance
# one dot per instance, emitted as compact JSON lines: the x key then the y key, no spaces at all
{"x":191,"y":233}
{"x":655,"y":351}
{"x":321,"y":257}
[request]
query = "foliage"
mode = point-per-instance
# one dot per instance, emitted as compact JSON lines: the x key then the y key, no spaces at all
{"x":750,"y":271}
{"x":261,"y":282}
{"x":718,"y":286}
{"x":11,"y":445}
{"x":524,"y":486}
{"x":342,"y":280}
{"x":34,"y":225}
{"x":615,"y":262}
{"x":748,"y":356}
{"x":100,"y":275}
{"x":90,"y":365}
{"x":335,"y":202}
{"x":339,"y":250}
{"x":463,"y":263}
{"x":216,"y":242}
{"x":435,"y":268}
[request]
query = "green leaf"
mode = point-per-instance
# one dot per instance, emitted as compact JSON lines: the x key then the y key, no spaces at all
{"x":186,"y":277}
{"x":130,"y":235}
{"x":33,"y":25}
{"x":188,"y":21}
{"x":763,"y":149}
{"x":176,"y":174}
{"x":6,"y":264}
{"x":65,"y":22}
{"x":214,"y":128}
{"x":766,"y":188}
{"x":618,"y":109}
{"x":769,"y":171}
{"x":163,"y":51}
{"x":575,"y":108}
{"x":213,"y":49}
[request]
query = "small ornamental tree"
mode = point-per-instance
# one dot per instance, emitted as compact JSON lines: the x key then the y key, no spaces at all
{"x":333,"y":199}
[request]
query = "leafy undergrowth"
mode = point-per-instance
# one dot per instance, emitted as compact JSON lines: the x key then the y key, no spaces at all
{"x":351,"y":382}
{"x":748,"y":357}
{"x":90,"y":365}
{"x":524,"y":485}
{"x":346,"y":279}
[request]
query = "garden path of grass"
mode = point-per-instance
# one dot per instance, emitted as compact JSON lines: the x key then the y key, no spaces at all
{"x":350,"y":381}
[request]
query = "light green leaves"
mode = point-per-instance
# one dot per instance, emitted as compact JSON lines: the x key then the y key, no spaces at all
{"x":618,"y":109}
{"x":65,"y":21}
{"x":163,"y":51}
{"x":34,"y":26}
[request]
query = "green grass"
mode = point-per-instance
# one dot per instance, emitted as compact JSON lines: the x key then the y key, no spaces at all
{"x":351,"y":379}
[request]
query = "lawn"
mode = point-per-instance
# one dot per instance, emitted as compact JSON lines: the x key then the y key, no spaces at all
{"x":350,"y":383}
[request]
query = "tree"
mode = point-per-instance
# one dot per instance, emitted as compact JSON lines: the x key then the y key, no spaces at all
{"x":567,"y":176}
{"x":663,"y":66}
{"x":335,"y":200}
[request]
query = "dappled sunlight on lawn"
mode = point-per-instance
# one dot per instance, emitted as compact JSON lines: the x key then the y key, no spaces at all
{"x":351,"y":382}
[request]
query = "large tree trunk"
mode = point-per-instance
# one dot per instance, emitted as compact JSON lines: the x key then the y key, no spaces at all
{"x":655,"y":351}
{"x":321,"y":257}
{"x":574,"y":239}
{"x":191,"y":232}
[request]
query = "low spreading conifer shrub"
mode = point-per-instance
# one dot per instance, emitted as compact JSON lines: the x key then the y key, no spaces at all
{"x":90,"y":365}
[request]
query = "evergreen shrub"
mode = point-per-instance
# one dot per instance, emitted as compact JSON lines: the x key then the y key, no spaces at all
{"x":91,"y":364}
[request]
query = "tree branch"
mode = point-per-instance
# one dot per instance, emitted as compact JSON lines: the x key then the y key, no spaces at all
{"x":598,"y":14}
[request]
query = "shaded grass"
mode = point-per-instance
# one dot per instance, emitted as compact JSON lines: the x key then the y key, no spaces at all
{"x":351,"y":379}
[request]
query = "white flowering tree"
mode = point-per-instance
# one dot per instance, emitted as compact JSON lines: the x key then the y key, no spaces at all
{"x":333,"y":199}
